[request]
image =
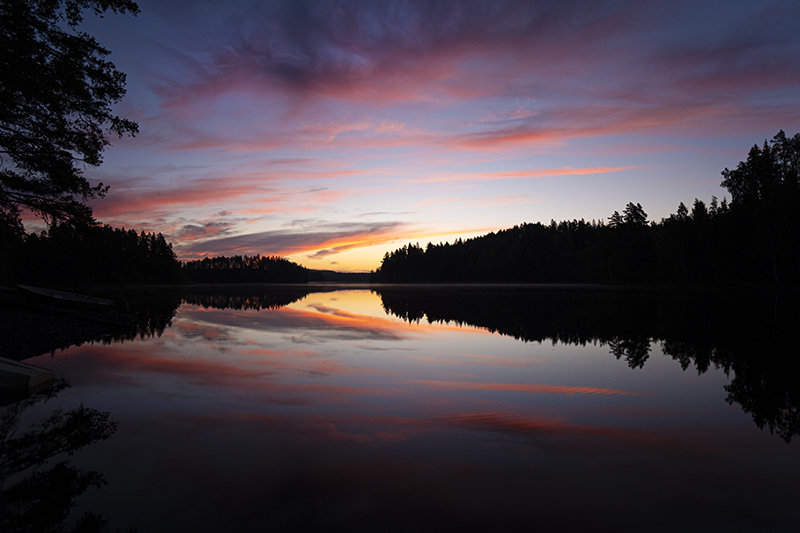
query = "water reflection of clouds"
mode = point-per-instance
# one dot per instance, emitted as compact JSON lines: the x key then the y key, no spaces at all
{"x":310,"y":323}
{"x":249,"y":353}
{"x":461,"y":358}
{"x":295,"y":339}
{"x":134,"y":363}
{"x":192,"y":329}
{"x":272,"y":467}
{"x":267,"y":406}
{"x":522,"y":387}
{"x":267,"y":375}
{"x":533,"y":431}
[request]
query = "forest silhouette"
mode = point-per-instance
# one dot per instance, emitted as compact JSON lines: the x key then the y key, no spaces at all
{"x":77,"y":252}
{"x":80,"y":252}
{"x":245,"y":269}
{"x":754,"y":240}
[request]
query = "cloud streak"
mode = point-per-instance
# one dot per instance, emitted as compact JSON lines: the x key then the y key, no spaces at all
{"x":523,"y":174}
{"x":322,"y":238}
{"x":439,"y":52}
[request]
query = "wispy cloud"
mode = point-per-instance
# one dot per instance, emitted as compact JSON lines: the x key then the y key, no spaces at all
{"x":613,"y":68}
{"x":321,"y":238}
{"x":519,"y":174}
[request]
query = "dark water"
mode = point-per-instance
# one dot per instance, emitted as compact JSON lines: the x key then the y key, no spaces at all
{"x":437,"y":409}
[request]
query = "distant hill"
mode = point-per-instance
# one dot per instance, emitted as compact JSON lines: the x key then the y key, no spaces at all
{"x":245,"y":269}
{"x":338,"y":277}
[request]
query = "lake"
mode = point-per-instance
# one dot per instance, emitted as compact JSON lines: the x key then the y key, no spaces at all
{"x":436,"y":408}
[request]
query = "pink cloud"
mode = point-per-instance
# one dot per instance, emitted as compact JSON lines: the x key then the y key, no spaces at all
{"x":521,"y":174}
{"x":511,"y":50}
{"x":476,"y":359}
{"x":323,"y":239}
{"x":129,"y":200}
{"x":250,"y":192}
{"x":526,"y":387}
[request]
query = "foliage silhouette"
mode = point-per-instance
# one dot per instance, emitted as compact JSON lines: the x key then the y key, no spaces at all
{"x":41,"y":500}
{"x":245,"y":269}
{"x":252,"y":299}
{"x":57,"y":89}
{"x":90,"y":253}
{"x":634,"y":351}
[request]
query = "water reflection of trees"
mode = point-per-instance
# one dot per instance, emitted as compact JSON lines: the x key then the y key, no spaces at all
{"x":634,"y":351}
{"x":152,"y":310}
{"x":257,"y":298}
{"x":36,"y":494}
{"x":749,"y":335}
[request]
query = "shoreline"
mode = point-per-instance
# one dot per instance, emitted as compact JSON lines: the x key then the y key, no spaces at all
{"x":30,"y":330}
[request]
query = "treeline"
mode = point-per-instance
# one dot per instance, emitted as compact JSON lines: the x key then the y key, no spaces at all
{"x":89,"y":253}
{"x":754,"y":240}
{"x":245,"y":269}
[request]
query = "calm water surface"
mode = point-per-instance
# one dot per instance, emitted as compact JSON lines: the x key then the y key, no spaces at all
{"x":429,"y":411}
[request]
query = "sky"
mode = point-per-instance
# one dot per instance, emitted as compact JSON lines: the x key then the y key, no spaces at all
{"x":331,"y":132}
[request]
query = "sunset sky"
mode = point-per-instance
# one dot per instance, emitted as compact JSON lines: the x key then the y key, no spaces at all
{"x":333,"y":132}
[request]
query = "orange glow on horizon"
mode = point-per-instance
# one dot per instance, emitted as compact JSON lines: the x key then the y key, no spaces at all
{"x":365,"y":255}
